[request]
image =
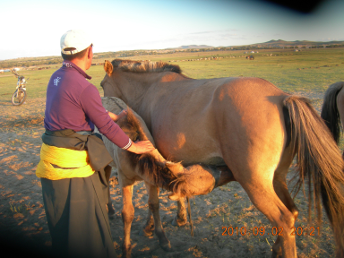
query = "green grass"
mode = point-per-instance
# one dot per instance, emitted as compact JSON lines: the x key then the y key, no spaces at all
{"x":38,"y":80}
{"x":308,"y":70}
{"x":36,"y":85}
{"x":311,"y":70}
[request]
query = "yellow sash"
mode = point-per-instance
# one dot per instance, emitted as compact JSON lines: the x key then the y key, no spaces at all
{"x":71,"y":163}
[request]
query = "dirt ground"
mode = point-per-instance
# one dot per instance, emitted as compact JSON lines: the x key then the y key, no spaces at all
{"x":24,"y":230}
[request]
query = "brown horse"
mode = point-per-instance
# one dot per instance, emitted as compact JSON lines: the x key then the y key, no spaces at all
{"x":333,"y":109}
{"x":156,"y":172}
{"x":246,"y":124}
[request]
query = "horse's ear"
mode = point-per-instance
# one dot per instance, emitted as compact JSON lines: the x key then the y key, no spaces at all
{"x":108,"y":67}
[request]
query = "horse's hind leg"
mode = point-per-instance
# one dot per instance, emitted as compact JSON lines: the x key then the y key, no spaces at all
{"x":264,"y":197}
{"x":281,"y":189}
{"x":283,"y":193}
{"x":127,"y":217}
{"x":153,"y":203}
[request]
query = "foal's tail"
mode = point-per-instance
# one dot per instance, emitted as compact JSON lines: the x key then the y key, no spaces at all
{"x":329,"y":110}
{"x":319,"y":161}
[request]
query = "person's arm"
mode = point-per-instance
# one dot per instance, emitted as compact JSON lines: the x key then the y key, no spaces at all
{"x":92,"y":105}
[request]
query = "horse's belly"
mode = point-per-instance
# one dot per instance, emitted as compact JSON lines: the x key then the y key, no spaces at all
{"x":187,"y":156}
{"x":189,"y":144}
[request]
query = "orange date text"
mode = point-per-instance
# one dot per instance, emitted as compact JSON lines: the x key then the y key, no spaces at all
{"x":274,"y":231}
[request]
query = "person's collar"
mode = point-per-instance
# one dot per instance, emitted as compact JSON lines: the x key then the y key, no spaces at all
{"x":70,"y":64}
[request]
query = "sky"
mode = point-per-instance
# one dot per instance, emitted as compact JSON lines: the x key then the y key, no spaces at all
{"x":33,"y":28}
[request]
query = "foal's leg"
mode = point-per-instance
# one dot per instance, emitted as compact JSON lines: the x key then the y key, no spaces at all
{"x":180,"y":219}
{"x":127,"y":217}
{"x":153,"y":203}
{"x":109,"y":206}
{"x":110,"y":209}
{"x":149,"y":226}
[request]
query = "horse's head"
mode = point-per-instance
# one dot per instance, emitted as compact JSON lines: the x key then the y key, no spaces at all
{"x":109,"y":83}
{"x":194,"y":180}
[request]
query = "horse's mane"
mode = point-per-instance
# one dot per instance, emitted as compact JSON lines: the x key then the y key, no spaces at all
{"x":144,"y":66}
{"x":158,"y":173}
{"x":131,"y":125}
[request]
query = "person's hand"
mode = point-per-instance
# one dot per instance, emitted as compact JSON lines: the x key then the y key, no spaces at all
{"x":122,"y":113}
{"x":141,"y":147}
{"x":115,"y":117}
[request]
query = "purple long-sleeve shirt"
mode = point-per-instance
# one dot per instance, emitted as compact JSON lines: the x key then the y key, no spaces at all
{"x":74,"y":103}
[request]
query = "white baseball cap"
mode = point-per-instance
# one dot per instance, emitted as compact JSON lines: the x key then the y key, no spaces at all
{"x":74,"y":41}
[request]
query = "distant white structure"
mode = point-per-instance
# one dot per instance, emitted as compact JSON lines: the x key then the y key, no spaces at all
{"x":16,"y":69}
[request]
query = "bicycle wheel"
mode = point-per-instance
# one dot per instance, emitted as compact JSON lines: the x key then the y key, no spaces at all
{"x":18,"y":98}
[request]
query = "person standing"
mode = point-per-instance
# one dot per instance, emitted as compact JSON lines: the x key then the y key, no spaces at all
{"x":73,"y":160}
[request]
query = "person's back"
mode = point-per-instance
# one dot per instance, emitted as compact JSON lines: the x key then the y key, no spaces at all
{"x":74,"y":161}
{"x":64,"y":100}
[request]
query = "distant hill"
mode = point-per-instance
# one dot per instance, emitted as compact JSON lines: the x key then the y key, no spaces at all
{"x":279,"y":43}
{"x":271,"y":44}
{"x":297,"y":43}
{"x":193,"y":46}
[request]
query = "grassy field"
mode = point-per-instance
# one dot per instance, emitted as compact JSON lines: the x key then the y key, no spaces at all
{"x":307,"y":70}
{"x":22,"y":217}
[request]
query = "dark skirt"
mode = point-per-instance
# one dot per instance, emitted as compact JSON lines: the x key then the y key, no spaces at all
{"x":77,"y":217}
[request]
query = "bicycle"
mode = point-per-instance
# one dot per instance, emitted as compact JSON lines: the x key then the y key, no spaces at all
{"x":19,"y":95}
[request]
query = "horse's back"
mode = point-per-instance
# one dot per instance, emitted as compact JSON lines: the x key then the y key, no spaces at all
{"x":197,"y":116}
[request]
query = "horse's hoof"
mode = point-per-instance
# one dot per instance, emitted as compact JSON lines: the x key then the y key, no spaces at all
{"x":142,"y":232}
{"x":166,"y":246}
{"x":179,"y":223}
{"x":126,"y":252}
{"x":111,"y":211}
{"x":276,"y":254}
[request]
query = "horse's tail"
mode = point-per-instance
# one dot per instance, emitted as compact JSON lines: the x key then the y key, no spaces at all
{"x":319,"y":160}
{"x":329,"y":110}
